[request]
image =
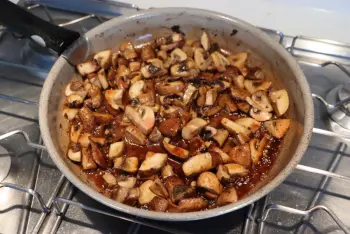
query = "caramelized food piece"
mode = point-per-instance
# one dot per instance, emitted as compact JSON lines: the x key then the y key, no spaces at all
{"x":280,"y":101}
{"x":277,"y":128}
{"x":169,"y":127}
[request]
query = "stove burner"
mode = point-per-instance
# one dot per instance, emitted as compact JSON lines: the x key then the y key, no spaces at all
{"x":340,"y":113}
{"x":35,"y":55}
{"x":5,"y":162}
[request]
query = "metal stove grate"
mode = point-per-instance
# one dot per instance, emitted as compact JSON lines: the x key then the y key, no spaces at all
{"x":294,"y":45}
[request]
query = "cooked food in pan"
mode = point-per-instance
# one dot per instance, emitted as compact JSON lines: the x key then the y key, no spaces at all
{"x":174,"y":125}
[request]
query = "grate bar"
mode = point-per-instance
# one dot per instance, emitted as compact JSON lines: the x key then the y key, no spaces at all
{"x":19,"y":100}
{"x":304,"y":213}
{"x":26,"y":137}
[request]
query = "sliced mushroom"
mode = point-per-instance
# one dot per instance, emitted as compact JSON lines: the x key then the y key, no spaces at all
{"x":130,"y":165}
{"x":220,"y":61}
{"x":222,"y":174}
{"x":153,"y":68}
{"x":185,"y":69}
{"x":201,"y":98}
{"x":143,"y":117}
{"x":98,"y":140}
{"x":153,"y":163}
{"x":134,"y":66}
{"x":224,"y":157}
{"x":74,"y":156}
{"x":228,"y":196}
{"x":249,"y":123}
{"x":155,"y":135}
{"x":114,"y":98}
{"x":96,"y":96}
{"x":86,"y":160}
{"x":84,"y":139}
{"x":169,"y":88}
{"x":201,"y":60}
{"x":253,"y":86}
{"x":146,"y":195}
{"x":87,"y":68}
{"x":242,"y":138}
{"x":104,"y":58}
{"x":122,"y":194}
{"x":277,"y":128}
{"x":167,"y":171}
{"x":208,"y":132}
{"x":197,"y":164}
{"x":260,"y":101}
{"x":70,"y":113}
{"x":189,"y":94}
{"x":170,"y":127}
{"x":109,"y":178}
{"x":257,"y":148}
{"x":241,"y":155}
{"x":133,"y":196}
{"x":101,"y":75}
{"x":280,"y":101}
{"x":134,"y":135}
{"x":239,"y":94}
{"x":210,"y":97}
{"x":102,"y":118}
{"x":221,"y":136}
{"x":158,"y":204}
{"x":147,"y":53}
{"x":243,"y":106}
{"x":239,"y":81}
{"x":181,"y":191}
{"x":97,"y":156}
{"x":175,"y":150}
{"x":87,"y":118}
{"x":116,"y":149}
{"x":205,"y":41}
{"x":239,"y":61}
{"x":193,"y":128}
{"x":75,"y":131}
{"x":74,"y":101}
{"x":128,"y":51}
{"x":159,"y":189}
{"x":192,"y":204}
{"x":162,"y":55}
{"x":137,"y":89}
{"x":75,"y":87}
{"x":233,"y":127}
{"x":260,"y":115}
{"x":128,"y":182}
{"x":178,"y":55}
{"x":208,"y":181}
{"x":234,"y":169}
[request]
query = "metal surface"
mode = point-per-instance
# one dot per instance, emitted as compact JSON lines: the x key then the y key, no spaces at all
{"x":34,"y":170}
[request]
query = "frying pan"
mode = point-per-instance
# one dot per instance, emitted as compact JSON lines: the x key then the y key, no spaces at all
{"x":229,"y":32}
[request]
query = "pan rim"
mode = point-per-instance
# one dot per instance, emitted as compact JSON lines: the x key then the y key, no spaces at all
{"x":190,"y":216}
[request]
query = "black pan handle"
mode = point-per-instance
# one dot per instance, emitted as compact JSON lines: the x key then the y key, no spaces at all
{"x":18,"y":20}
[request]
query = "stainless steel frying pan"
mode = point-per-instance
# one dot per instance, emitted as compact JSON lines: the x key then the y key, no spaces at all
{"x":229,"y":32}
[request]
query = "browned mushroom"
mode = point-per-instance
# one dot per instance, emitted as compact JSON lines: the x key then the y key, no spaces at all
{"x":129,"y":164}
{"x":280,"y":101}
{"x":239,"y":61}
{"x":97,"y":156}
{"x":153,"y":163}
{"x":241,"y":155}
{"x":167,"y":171}
{"x":74,"y":155}
{"x":169,"y":127}
{"x":221,"y":136}
{"x":176,"y":151}
{"x":260,"y":101}
{"x":249,"y":123}
{"x":205,"y":41}
{"x":198,"y":164}
{"x":153,"y":68}
{"x":109,"y":178}
{"x":137,"y":89}
{"x":134,"y":135}
{"x":233,"y":127}
{"x":257,"y":148}
{"x":168,"y":88}
{"x":192,"y":204}
{"x":208,"y":181}
{"x":116,"y":149}
{"x":229,"y":195}
{"x":243,"y":106}
{"x":193,"y":128}
{"x":260,"y":115}
{"x":220,"y":61}
{"x":278,"y":127}
{"x":147,"y":53}
{"x":146,"y":195}
{"x":239,"y":94}
{"x":158,"y":204}
{"x":253,"y":86}
{"x":127,"y":50}
{"x":87,"y":67}
{"x":86,"y":161}
{"x":87,"y":118}
{"x":127,"y":182}
{"x":142,"y":117}
{"x":104,"y":58}
{"x":185,"y":69}
{"x":114,"y":98}
{"x":158,"y":188}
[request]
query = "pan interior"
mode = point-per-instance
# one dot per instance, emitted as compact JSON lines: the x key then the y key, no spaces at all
{"x":230,"y":34}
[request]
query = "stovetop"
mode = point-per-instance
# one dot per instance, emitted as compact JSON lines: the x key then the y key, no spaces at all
{"x":71,"y":211}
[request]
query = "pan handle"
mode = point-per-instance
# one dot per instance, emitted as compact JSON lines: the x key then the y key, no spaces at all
{"x":21,"y":21}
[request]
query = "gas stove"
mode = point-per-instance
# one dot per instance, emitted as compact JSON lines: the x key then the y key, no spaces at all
{"x":36,"y":198}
